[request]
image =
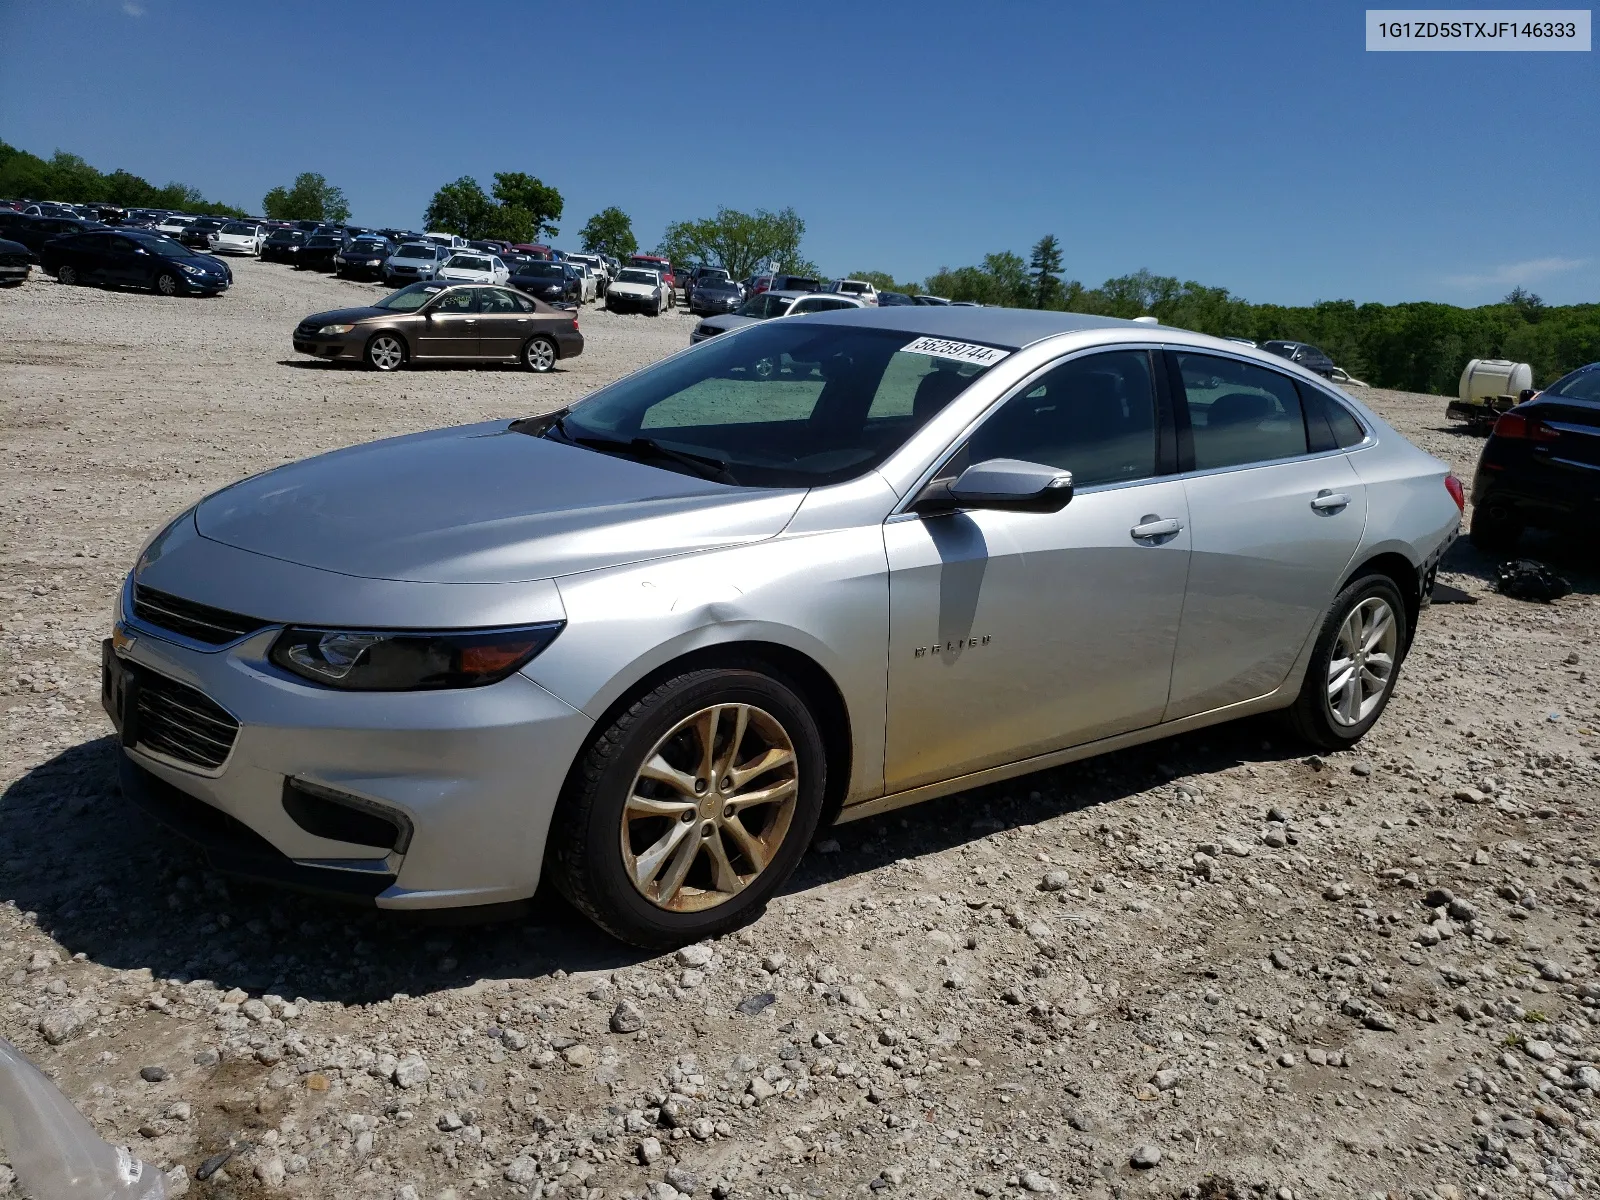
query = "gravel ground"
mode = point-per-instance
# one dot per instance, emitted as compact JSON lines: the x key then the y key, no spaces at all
{"x":1211,"y":967}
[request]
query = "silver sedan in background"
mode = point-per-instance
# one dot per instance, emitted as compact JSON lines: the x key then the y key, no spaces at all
{"x":811,"y":570}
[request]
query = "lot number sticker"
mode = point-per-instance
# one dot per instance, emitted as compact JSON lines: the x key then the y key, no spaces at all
{"x":983,"y":356}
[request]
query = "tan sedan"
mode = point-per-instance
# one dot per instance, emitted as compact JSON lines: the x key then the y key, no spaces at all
{"x":444,"y":322}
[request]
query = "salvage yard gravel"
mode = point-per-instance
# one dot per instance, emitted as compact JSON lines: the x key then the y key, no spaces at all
{"x":1211,"y":967}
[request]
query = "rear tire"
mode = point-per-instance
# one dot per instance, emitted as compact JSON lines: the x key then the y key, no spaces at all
{"x":1494,"y":532}
{"x":386,"y":352}
{"x":539,"y":355}
{"x":612,"y":850}
{"x":166,"y":284}
{"x":67,"y":273}
{"x":1355,"y":665}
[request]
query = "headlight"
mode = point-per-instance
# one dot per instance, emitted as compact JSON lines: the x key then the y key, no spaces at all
{"x":373,"y":262}
{"x":191,"y":270}
{"x":401,"y":662}
{"x":330,"y":330}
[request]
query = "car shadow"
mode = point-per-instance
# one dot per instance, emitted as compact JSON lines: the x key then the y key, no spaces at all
{"x":969,"y":816}
{"x":106,"y":882}
{"x":351,"y":364}
{"x":1576,"y":559}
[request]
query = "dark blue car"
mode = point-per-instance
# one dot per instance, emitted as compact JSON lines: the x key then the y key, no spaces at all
{"x":134,"y":258}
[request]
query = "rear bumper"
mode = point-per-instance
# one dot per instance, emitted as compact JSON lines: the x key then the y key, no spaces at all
{"x":1522,"y":498}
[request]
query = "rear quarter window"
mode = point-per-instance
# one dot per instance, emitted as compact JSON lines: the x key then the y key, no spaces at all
{"x":1329,"y":424}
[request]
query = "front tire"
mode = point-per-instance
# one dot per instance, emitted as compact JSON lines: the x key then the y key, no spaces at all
{"x":166,"y":284}
{"x":386,"y":352}
{"x":539,"y":355}
{"x":691,"y":808}
{"x":1355,"y":665}
{"x":67,"y":273}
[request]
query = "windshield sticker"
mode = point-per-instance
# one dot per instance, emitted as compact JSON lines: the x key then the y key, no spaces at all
{"x":983,"y":356}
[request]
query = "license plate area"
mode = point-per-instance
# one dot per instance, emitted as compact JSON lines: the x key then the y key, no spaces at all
{"x":119,"y":693}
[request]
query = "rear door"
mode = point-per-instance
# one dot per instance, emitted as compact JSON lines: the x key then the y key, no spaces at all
{"x":1274,"y":527}
{"x":449,"y":328}
{"x":502,"y":324}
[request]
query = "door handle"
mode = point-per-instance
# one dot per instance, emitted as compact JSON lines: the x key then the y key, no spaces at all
{"x":1327,"y":501}
{"x":470,"y":321}
{"x":1154,"y":527}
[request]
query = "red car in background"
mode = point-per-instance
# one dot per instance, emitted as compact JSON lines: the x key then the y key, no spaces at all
{"x":652,"y":262}
{"x":533,"y":250}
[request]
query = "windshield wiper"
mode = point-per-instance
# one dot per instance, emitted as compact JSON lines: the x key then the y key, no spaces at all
{"x":703,"y":465}
{"x":541,"y":424}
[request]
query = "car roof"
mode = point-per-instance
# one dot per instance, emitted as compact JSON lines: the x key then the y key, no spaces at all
{"x":1009,"y":328}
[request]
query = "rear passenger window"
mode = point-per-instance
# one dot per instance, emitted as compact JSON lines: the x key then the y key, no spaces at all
{"x":1240,"y":413}
{"x":1329,"y":424}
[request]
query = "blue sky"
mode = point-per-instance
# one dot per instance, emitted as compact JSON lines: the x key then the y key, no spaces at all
{"x":1253,"y":146}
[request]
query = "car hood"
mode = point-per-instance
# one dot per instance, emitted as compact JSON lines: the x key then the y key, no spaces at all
{"x":727,"y":322}
{"x":481,"y":504}
{"x":348,"y":316}
{"x":630,"y":288}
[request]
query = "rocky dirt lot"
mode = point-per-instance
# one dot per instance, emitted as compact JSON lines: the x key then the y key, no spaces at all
{"x":1212,"y":967}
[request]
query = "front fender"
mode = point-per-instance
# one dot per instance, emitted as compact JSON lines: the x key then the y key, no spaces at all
{"x":824,"y":595}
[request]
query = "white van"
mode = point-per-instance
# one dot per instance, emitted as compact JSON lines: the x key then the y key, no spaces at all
{"x":450,"y":241}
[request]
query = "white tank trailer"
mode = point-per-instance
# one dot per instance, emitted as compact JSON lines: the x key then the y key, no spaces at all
{"x":1489,"y":386}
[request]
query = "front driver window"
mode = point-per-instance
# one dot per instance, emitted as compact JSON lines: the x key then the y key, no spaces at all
{"x":1094,"y":416}
{"x":462,"y":300}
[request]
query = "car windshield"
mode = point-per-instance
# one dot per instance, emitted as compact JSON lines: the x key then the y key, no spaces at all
{"x":167,"y":247}
{"x":638,"y":275}
{"x":1580,"y":385}
{"x":239,"y":227}
{"x":765,"y":305}
{"x":790,"y":404}
{"x":323,"y":240}
{"x":541,"y":270}
{"x":468,"y":262}
{"x":287,"y":235}
{"x":409,"y":299}
{"x":851,"y":288}
{"x":713,"y":284}
{"x":412,"y":250}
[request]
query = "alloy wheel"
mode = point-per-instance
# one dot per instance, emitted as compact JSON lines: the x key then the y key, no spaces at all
{"x":68,"y":274}
{"x":167,"y":285}
{"x":710,"y":807}
{"x":1361,"y":666}
{"x":539,"y":354}
{"x":386,"y":353}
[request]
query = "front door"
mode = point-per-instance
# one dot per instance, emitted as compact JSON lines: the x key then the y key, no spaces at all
{"x":449,"y":329}
{"x":1275,"y":529}
{"x":122,"y":261}
{"x":1014,"y":634}
{"x":503,"y":324}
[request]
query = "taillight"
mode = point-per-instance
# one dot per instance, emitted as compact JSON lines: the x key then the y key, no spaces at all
{"x":1515,"y":426}
{"x":574,"y":323}
{"x":1457,"y":493}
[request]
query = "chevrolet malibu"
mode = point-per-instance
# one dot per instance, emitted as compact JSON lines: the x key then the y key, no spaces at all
{"x":648,"y":645}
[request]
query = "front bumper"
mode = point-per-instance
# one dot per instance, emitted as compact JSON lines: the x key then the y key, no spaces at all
{"x":474,"y":773}
{"x":339,"y":346}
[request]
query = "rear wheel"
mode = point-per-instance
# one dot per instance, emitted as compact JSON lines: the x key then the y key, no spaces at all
{"x":691,"y":808}
{"x":167,"y":284}
{"x":1494,"y":530}
{"x":386,"y":352}
{"x":1354,"y":666}
{"x":539,"y":355}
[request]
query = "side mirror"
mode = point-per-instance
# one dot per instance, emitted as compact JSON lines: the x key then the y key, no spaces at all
{"x":1006,"y":484}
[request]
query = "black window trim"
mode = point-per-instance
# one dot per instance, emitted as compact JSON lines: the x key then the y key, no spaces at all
{"x":1166,"y":459}
{"x":1186,"y":433}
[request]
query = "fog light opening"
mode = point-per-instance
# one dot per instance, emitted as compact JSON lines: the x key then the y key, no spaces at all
{"x":340,"y":817}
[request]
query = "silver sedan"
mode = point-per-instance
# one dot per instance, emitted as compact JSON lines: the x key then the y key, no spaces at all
{"x":649,"y":645}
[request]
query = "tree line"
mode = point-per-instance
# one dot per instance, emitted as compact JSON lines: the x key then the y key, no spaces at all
{"x":68,"y":178}
{"x":1421,"y":346}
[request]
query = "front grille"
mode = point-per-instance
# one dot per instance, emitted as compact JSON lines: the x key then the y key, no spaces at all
{"x":214,"y":626}
{"x":182,"y":723}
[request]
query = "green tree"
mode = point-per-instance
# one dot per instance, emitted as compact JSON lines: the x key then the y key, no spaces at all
{"x":528,"y":205}
{"x":310,"y":198}
{"x":1529,"y":304}
{"x":521,"y":209}
{"x":461,"y":207}
{"x":740,"y":242}
{"x":69,"y":178}
{"x":1046,"y":267}
{"x":609,"y":231}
